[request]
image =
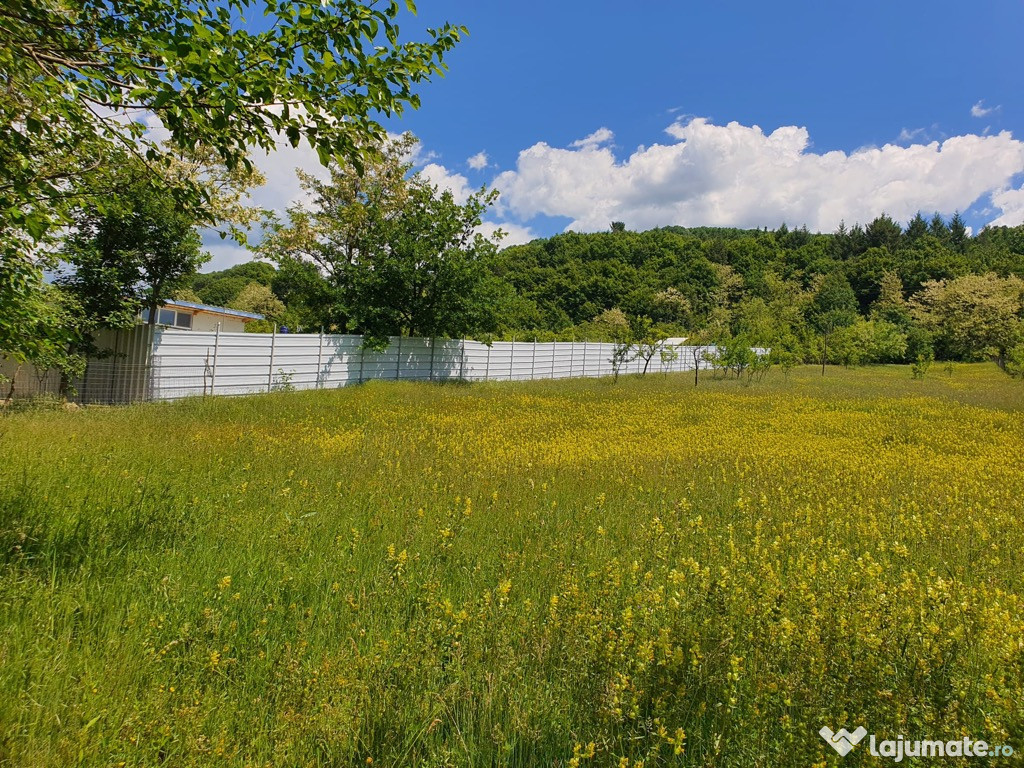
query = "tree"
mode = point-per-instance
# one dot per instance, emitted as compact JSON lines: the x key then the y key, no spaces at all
{"x":883,"y":232}
{"x":646,"y":339}
{"x":937,"y":227}
{"x":399,"y":255}
{"x":133,"y":252}
{"x":834,"y":306}
{"x":958,"y":236}
{"x":974,"y":316}
{"x":615,"y":326}
{"x":259,"y":299}
{"x":672,"y":306}
{"x":81,"y":78}
{"x":891,"y":305}
{"x":917,"y":228}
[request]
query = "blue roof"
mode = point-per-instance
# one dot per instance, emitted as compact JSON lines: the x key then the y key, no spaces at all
{"x":211,"y":308}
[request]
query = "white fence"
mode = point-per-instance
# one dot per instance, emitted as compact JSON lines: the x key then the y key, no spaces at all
{"x":188,"y":363}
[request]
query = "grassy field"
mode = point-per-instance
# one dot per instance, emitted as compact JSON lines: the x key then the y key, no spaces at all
{"x":546,"y":573}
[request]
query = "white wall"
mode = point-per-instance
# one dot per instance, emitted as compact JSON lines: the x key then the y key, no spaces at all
{"x":195,"y":362}
{"x":204,"y":321}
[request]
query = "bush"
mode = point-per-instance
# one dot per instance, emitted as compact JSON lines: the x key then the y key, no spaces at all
{"x":866,"y":342}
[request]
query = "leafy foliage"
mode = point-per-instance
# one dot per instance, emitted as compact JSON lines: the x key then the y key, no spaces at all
{"x":393,"y":254}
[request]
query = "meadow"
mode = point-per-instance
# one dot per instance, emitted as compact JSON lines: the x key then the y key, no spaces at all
{"x":573,"y":573}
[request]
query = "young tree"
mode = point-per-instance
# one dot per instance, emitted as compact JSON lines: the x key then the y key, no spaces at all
{"x":834,"y":306}
{"x":646,"y":339}
{"x":614,"y":325}
{"x":399,"y":256}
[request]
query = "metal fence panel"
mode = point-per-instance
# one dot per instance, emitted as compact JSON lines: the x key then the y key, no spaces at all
{"x":167,"y":364}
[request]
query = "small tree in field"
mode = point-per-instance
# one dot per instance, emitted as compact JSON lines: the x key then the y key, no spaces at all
{"x":615,"y":326}
{"x":668,"y":355}
{"x":645,"y":339}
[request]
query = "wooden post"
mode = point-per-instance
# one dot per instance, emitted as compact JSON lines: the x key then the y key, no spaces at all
{"x":320,"y":358}
{"x":487,"y":368}
{"x":462,"y":361}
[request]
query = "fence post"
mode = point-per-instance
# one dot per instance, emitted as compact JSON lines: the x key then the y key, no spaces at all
{"x":270,"y":372}
{"x":533,"y":359}
{"x":584,"y":358}
{"x":462,"y":361}
{"x":432,"y":358}
{"x":320,"y":358}
{"x":398,"y":359}
{"x":554,"y":351}
{"x":362,"y":357}
{"x":216,"y":349}
{"x":511,"y":358}
{"x":487,"y":367}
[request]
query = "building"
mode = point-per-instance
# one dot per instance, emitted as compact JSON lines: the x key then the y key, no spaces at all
{"x":201,"y":317}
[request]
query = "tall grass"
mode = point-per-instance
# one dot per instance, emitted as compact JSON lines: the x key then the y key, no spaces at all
{"x":572,"y":572}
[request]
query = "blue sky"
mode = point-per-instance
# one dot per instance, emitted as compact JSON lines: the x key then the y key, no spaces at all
{"x":722,"y":113}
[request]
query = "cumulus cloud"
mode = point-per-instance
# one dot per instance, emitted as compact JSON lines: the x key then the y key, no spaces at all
{"x":736,"y":175}
{"x":980,"y":110}
{"x":478,"y":162}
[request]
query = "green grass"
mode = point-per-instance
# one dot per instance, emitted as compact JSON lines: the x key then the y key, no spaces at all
{"x":568,"y":572}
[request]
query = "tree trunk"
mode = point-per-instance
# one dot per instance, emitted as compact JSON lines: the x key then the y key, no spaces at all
{"x":14,"y":378}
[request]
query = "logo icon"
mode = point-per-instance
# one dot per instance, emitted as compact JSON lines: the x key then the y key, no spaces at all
{"x":842,"y":741}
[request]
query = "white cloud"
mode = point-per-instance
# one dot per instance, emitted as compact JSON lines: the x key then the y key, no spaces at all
{"x":598,"y":137}
{"x":1011,"y":203}
{"x":479,"y":161}
{"x":980,"y":110}
{"x":908,"y":136}
{"x":736,"y":175}
{"x":444,"y":179}
{"x":515,"y":234}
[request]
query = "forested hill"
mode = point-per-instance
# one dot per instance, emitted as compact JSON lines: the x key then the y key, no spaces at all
{"x":683,"y":275}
